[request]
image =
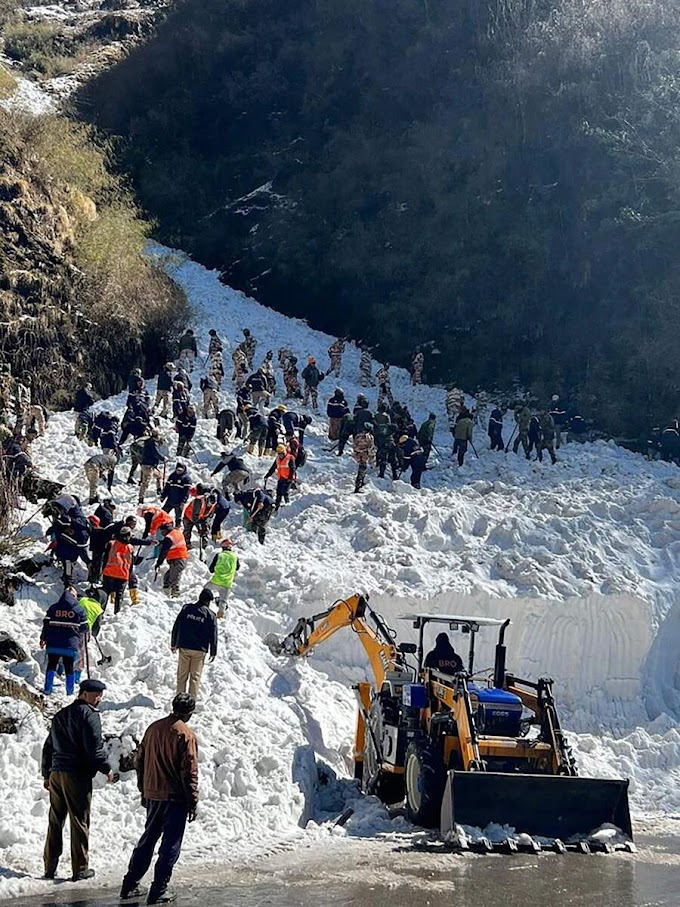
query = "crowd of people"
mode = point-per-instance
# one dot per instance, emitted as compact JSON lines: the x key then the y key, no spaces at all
{"x":176,"y":513}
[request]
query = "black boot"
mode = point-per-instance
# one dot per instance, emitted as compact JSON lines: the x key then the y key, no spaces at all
{"x":164,"y":896}
{"x":132,"y":893}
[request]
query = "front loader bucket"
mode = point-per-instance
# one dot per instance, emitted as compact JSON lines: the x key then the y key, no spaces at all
{"x":550,"y":806}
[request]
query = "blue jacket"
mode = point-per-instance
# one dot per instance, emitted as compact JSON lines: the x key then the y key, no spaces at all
{"x":336,"y":409}
{"x":176,"y":490}
{"x":195,"y":628}
{"x":106,"y":431}
{"x":64,"y":625}
{"x":290,"y":422}
{"x":83,"y":401}
{"x":257,"y":421}
{"x":164,"y":380}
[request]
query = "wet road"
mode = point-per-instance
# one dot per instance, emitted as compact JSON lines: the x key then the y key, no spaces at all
{"x":385,"y":874}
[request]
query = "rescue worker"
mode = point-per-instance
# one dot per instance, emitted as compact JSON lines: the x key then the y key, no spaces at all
{"x":105,"y":430}
{"x":284,"y":466}
{"x":211,"y":403}
{"x":154,"y":517}
{"x":386,"y":448}
{"x":180,"y":399}
{"x":151,"y":458}
{"x":173,"y":549}
{"x":194,"y":634}
{"x":188,"y":350}
{"x":257,"y":437}
{"x":335,"y":410}
{"x":63,"y":630}
{"x":382,"y":376}
{"x":257,"y":385}
{"x":522,"y":419}
{"x":226,"y":422}
{"x":221,"y":508}
{"x":362,"y":414}
{"x":455,"y":398}
{"x":186,"y":429}
{"x":444,"y":657}
{"x":559,"y":417}
{"x":258,"y":507}
{"x":670,"y":442}
{"x":290,"y":378}
{"x":175,"y":492}
{"x":240,"y":362}
{"x":94,"y":603}
{"x":216,"y":369}
{"x":547,"y":438}
{"x":249,"y":345}
{"x":167,"y":779}
{"x":215,"y":344}
{"x":244,"y":402}
{"x":164,"y":390}
{"x":28,"y":412}
{"x":312,"y":377}
{"x":426,"y":435}
{"x":495,"y":429}
{"x":133,"y":380}
{"x":118,"y":561}
{"x":84,"y":399}
{"x":417,"y":366}
{"x":335,"y":351}
{"x":72,"y":755}
{"x":534,"y":433}
{"x":366,"y":368}
{"x":70,"y":531}
{"x":363,"y":453}
{"x":97,"y":467}
{"x":197,"y":512}
{"x":267,"y":369}
{"x":413,"y":458}
{"x":346,"y":432}
{"x":136,"y":419}
{"x":223,"y":570}
{"x":274,"y":429}
{"x":238,"y":474}
{"x":462,"y":434}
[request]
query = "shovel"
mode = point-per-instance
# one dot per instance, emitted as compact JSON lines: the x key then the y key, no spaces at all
{"x":105,"y":659}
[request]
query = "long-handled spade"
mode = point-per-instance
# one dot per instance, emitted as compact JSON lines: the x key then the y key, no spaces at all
{"x":105,"y":659}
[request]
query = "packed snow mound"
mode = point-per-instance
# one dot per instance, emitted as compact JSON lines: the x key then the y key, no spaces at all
{"x":583,"y":557}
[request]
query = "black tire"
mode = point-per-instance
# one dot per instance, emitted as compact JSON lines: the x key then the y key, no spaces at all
{"x":386,"y":786}
{"x":425,"y":780}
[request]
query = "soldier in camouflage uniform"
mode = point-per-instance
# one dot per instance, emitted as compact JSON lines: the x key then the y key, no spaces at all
{"x":480,"y":409}
{"x":335,"y":351}
{"x":366,"y":369}
{"x":249,"y":345}
{"x":363,"y":453}
{"x":290,"y":377}
{"x":417,"y":364}
{"x":238,"y":357}
{"x":267,"y":369}
{"x":382,"y":376}
{"x":386,"y":447}
{"x":523,"y":419}
{"x":547,"y":439}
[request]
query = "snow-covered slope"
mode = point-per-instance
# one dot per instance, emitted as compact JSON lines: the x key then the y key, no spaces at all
{"x":582,"y":556}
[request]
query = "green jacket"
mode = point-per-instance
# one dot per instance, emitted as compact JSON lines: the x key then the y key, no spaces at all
{"x":226,"y":564}
{"x":463,"y":429}
{"x":92,"y":610}
{"x":523,"y":418}
{"x":426,"y":431}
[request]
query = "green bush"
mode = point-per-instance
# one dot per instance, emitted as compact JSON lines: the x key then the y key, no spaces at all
{"x":44,"y":47}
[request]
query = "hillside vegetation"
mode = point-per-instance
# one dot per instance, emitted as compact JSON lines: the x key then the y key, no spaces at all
{"x":501,"y":178}
{"x":76,"y":293}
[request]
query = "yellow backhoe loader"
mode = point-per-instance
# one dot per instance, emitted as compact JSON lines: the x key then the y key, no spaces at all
{"x":465,"y":748}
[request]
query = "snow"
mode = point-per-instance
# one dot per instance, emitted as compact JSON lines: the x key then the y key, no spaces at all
{"x":28,"y":97}
{"x":583,"y":558}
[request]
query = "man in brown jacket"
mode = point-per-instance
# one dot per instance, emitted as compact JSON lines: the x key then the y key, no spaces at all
{"x":167,"y":778}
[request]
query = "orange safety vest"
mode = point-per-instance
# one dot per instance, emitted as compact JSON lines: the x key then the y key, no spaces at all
{"x":178,"y":547}
{"x":285,"y":468}
{"x":160,"y":518}
{"x":119,"y":561}
{"x":204,"y":512}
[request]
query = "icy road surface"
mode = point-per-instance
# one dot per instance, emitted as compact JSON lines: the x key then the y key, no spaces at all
{"x":387,"y":875}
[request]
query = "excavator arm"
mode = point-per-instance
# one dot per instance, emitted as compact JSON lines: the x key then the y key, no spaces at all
{"x":354,"y":612}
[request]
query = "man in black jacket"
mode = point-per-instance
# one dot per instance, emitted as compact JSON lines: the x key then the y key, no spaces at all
{"x":152,"y":457}
{"x":72,"y":755}
{"x":444,"y":657}
{"x":175,"y":493}
{"x":193,"y":635}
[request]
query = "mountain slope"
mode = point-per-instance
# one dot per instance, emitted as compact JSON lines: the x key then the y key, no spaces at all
{"x":582,"y":557}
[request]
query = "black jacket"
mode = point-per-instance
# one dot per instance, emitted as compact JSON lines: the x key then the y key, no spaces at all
{"x":74,"y":743}
{"x":151,"y":453}
{"x":444,"y":659}
{"x":195,"y":628}
{"x":176,"y":489}
{"x":83,"y":401}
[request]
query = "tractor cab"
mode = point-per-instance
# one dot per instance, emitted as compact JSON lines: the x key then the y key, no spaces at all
{"x":496,"y":710}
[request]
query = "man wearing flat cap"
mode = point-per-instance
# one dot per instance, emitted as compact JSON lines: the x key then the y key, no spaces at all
{"x":72,"y":755}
